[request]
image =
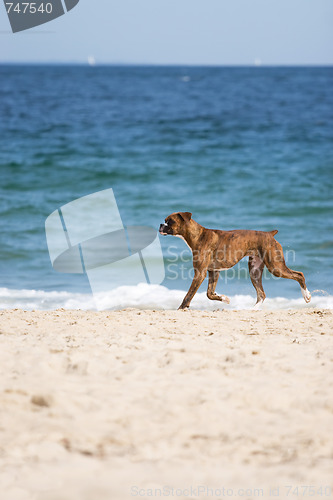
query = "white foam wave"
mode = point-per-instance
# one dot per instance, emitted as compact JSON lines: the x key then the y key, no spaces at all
{"x":144,"y":296}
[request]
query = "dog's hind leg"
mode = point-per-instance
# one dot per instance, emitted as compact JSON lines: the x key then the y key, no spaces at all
{"x":256,"y":267}
{"x":276,"y":265}
{"x":213,"y":279}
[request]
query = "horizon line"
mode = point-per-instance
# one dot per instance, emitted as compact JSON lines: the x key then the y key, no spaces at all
{"x":150,"y":64}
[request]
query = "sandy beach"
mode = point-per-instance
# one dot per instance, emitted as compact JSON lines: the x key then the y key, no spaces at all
{"x":142,"y":404}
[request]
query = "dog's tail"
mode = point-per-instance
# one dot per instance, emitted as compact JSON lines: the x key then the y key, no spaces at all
{"x":274,"y":232}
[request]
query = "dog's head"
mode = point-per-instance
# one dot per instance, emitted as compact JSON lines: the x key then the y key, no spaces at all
{"x":175,"y":224}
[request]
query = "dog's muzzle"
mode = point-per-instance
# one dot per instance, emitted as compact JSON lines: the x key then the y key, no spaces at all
{"x":163,"y":229}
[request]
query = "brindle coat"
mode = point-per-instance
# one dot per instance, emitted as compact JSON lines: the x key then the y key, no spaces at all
{"x":215,"y":250}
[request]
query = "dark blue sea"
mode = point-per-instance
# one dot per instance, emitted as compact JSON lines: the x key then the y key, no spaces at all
{"x":240,"y":148}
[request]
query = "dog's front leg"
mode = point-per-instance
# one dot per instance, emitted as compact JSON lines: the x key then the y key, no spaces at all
{"x":213,"y":279}
{"x":199,"y":276}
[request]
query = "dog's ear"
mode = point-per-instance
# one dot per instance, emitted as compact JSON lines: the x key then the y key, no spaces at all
{"x":186,"y":216}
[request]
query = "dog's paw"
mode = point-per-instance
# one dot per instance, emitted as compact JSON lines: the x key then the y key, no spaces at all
{"x":258,"y":305}
{"x":306,"y":295}
{"x":225,"y":299}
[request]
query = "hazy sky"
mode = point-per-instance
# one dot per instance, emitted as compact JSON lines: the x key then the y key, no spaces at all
{"x":179,"y":32}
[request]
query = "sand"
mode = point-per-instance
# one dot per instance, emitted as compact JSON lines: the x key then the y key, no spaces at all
{"x":166,"y":404}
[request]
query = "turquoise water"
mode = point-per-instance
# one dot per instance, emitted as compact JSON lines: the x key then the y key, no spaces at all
{"x":238,"y":147}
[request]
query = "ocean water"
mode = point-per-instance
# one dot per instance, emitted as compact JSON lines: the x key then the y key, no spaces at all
{"x":240,"y":148}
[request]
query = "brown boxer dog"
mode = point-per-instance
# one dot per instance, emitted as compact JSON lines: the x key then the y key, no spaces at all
{"x":215,"y":250}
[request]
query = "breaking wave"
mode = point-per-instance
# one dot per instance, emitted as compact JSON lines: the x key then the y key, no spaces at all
{"x":144,"y":296}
